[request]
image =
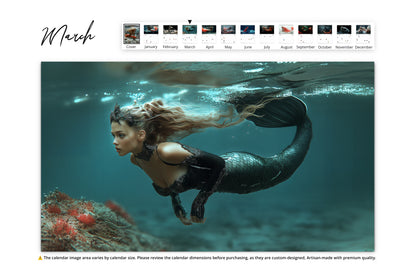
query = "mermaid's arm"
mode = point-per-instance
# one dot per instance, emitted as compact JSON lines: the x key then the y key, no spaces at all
{"x":179,"y":209}
{"x":216,"y":166}
{"x":176,"y":203}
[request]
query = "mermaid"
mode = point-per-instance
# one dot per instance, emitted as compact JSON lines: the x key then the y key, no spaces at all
{"x":146,"y":132}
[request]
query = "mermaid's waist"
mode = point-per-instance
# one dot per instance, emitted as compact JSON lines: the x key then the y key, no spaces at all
{"x":246,"y":172}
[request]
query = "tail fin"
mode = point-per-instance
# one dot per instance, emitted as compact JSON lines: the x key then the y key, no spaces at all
{"x":280,"y":112}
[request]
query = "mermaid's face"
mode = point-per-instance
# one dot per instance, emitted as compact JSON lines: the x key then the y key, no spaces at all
{"x":127,"y":139}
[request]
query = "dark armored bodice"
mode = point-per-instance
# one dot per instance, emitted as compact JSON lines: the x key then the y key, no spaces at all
{"x":203,"y":171}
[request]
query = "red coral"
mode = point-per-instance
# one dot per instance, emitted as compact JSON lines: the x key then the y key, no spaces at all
{"x":113,"y":206}
{"x":53,"y":209}
{"x":119,"y":210}
{"x":62,"y":228}
{"x":73,"y":212}
{"x":87,"y":219}
{"x":62,"y":196}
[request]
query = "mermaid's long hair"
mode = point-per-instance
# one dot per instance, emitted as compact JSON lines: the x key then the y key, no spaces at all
{"x":164,"y":122}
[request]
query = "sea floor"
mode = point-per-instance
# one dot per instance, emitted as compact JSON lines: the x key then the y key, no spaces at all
{"x":347,"y":229}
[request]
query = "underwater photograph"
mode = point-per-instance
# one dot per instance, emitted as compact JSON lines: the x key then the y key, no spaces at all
{"x":207,"y":156}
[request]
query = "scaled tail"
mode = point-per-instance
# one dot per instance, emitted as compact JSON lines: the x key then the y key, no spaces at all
{"x":277,"y":112}
{"x":258,"y":173}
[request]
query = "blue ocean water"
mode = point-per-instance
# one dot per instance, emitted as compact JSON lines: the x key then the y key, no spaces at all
{"x":327,"y":205}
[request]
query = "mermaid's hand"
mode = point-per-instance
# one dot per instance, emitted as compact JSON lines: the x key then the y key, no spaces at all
{"x":197,"y":212}
{"x":185,"y":221}
{"x":182,"y":217}
{"x":196,"y":219}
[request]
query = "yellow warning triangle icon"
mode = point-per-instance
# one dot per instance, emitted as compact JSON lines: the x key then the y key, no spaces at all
{"x":40,"y":258}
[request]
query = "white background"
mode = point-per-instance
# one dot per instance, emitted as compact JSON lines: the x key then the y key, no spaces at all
{"x":21,"y":33}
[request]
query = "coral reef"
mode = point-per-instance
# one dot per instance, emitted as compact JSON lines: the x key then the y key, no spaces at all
{"x":69,"y":224}
{"x":87,"y":219}
{"x":119,"y":210}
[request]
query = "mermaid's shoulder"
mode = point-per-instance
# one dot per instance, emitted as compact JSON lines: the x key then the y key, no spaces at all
{"x":172,"y":153}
